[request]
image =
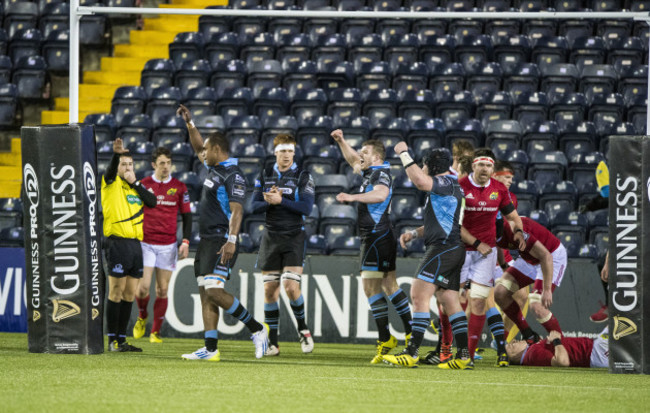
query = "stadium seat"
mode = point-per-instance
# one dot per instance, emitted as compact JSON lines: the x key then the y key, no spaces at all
{"x":324,"y":200}
{"x":637,"y":112}
{"x":469,"y":130}
{"x":401,"y":49}
{"x":625,"y":49}
{"x":11,"y":213}
{"x":248,"y":128}
{"x":497,"y":106}
{"x":235,"y":102}
{"x":523,"y":78}
{"x":547,"y":167}
{"x":511,"y":52}
{"x":4,"y":42}
{"x":415,"y":105}
{"x":313,"y":133}
{"x":316,"y":245}
{"x":257,"y":48}
{"x":12,"y":237}
{"x":93,"y":28}
{"x":191,"y":180}
{"x":293,"y":47}
{"x":485,"y":80}
{"x":519,"y":160}
{"x":338,"y":214}
{"x":503,"y":131}
{"x":157,"y":73}
{"x":447,"y":78}
{"x":379,"y":104}
{"x":30,"y":77}
{"x":364,"y":49}
{"x":255,"y":226}
{"x":25,"y":43}
{"x":329,"y":48}
{"x":530,"y":108}
{"x":201,"y":101}
{"x":605,"y":106}
{"x":344,"y":102}
{"x":598,"y":79}
{"x":345,"y":245}
{"x":633,"y":80}
{"x":186,"y":46}
{"x":559,"y":78}
{"x":571,"y":241}
{"x":211,"y":25}
{"x":8,"y":105}
{"x":54,"y":16}
{"x":134,"y":128}
{"x":105,"y":125}
{"x":335,"y":75}
{"x":128,"y":100}
{"x":410,"y":77}
{"x":455,"y":106}
{"x":527,"y":193}
{"x":271,"y":102}
{"x":316,"y":27}
{"x":540,"y":217}
{"x":574,"y":29}
{"x":192,"y":75}
{"x":56,"y":52}
{"x":582,"y":170}
{"x":435,"y":50}
{"x":170,"y":130}
{"x":601,"y":241}
{"x":548,"y":50}
{"x":605,"y":130}
{"x":164,"y":101}
{"x":389,"y":130}
{"x":425,"y":134}
{"x":249,"y":26}
{"x":20,"y":15}
{"x":263,"y":74}
{"x":373,"y":76}
{"x":228,"y":75}
{"x":299,"y":77}
{"x":568,"y":107}
{"x":586,"y":51}
{"x":331,"y":183}
{"x":209,"y":124}
{"x":540,"y":136}
{"x":564,"y":191}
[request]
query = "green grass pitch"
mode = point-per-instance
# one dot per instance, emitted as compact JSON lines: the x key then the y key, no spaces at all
{"x":335,"y":378}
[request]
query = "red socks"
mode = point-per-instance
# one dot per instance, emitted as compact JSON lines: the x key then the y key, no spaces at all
{"x":447,"y":336}
{"x":142,"y":306}
{"x":552,"y":325}
{"x":159,"y":310}
{"x":513,"y":311}
{"x":475,"y":328}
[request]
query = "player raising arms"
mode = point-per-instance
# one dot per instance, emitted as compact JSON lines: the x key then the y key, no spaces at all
{"x":378,"y":242}
{"x":159,"y":250}
{"x":439,"y":271}
{"x":542,"y":262}
{"x":220,"y":211}
{"x":484,"y":198}
{"x":285,"y":192}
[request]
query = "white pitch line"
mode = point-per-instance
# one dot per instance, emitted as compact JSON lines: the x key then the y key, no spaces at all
{"x":473,"y":383}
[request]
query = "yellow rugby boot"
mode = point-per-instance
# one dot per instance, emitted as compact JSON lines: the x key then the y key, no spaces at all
{"x":383,"y":347}
{"x":139,"y":327}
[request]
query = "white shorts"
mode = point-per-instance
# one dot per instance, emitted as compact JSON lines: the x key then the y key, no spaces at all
{"x":159,"y":256}
{"x":534,"y":272}
{"x":479,"y":269}
{"x":600,"y":352}
{"x":498,"y":271}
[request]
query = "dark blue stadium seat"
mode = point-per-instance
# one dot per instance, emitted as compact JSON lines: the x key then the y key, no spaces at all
{"x":468,"y":129}
{"x":485,"y":80}
{"x":335,"y":75}
{"x":235,"y":102}
{"x":191,"y":180}
{"x":344,"y":102}
{"x":30,"y":77}
{"x":93,"y":28}
{"x":389,"y":130}
{"x":637,"y":112}
{"x":473,"y":51}
{"x":606,"y":129}
{"x":257,"y":48}
{"x":575,"y":28}
{"x":400,"y":49}
{"x":264,"y":74}
{"x":299,"y":77}
{"x":293,"y":47}
{"x":497,"y":106}
{"x":500,"y":28}
{"x":332,"y":183}
{"x":540,"y":136}
{"x":602,"y":106}
{"x":316,"y":245}
{"x":192,"y":75}
{"x":105,"y":126}
{"x":157,"y":73}
{"x":25,"y":43}
{"x":547,"y":167}
{"x":414,"y":105}
{"x":211,"y":25}
{"x":11,"y":212}
{"x":540,"y":217}
{"x":410,"y":77}
{"x":586,"y":51}
{"x":582,"y":169}
{"x":209,"y":124}
{"x":128,"y":100}
{"x":519,"y":160}
{"x":8,"y":105}
{"x":511,"y":51}
{"x":503,"y":131}
{"x":364,"y":49}
{"x":601,"y":241}
{"x":530,"y":107}
{"x":271,"y":102}
{"x":201,"y":101}
{"x":548,"y":50}
{"x":435,"y":50}
{"x":527,"y":193}
{"x":255,"y":225}
{"x":338,"y":214}
{"x":559,"y":78}
{"x":598,"y":79}
{"x":567,"y":107}
{"x":186,"y":46}
{"x":454,"y":106}
{"x":523,"y":78}
{"x":170,"y":130}
{"x":184,"y":157}
{"x":134,"y":128}
{"x":55,"y":16}
{"x":628,"y":49}
{"x":329,"y":48}
{"x":228,"y":75}
{"x":164,"y":101}
{"x":447,"y":78}
{"x":20,"y":16}
{"x":248,"y":128}
{"x":560,"y":191}
{"x":572,"y":242}
{"x":373,"y":76}
{"x":386,"y":28}
{"x":345,"y":245}
{"x":12,"y":237}
{"x":141,"y":150}
{"x":633,"y":79}
{"x":379,"y":104}
{"x":426,"y":134}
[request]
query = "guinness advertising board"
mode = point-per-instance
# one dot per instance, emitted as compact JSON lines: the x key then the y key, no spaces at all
{"x":65,"y":287}
{"x":629,"y":256}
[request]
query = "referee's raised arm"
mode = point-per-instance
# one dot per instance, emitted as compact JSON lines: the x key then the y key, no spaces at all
{"x":195,"y":136}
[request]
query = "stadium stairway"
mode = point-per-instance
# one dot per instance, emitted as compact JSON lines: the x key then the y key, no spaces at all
{"x":10,"y":171}
{"x":124,"y":67}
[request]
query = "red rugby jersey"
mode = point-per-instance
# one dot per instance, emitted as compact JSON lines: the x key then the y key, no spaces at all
{"x":482,"y":203}
{"x":533,"y":232}
{"x":541,"y":353}
{"x":160,"y":222}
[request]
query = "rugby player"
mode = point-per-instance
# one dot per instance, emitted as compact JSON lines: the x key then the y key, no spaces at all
{"x":559,"y":351}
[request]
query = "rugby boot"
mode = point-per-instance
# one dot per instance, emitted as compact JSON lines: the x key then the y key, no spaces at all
{"x":457,"y":364}
{"x":306,"y":341}
{"x":503,"y":361}
{"x":403,"y":359}
{"x":383,"y":347}
{"x":203,"y":354}
{"x":155,"y":337}
{"x":139,"y":328}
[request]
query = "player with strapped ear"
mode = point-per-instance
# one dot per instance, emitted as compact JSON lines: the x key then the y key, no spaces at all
{"x":285,"y":192}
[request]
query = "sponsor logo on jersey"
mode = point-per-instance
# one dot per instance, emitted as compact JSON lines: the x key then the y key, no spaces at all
{"x":171,"y":191}
{"x":494,"y":196}
{"x":208,"y":182}
{"x":470,"y":196}
{"x":118,"y":269}
{"x":63,"y":309}
{"x":132,"y":199}
{"x":287,"y":191}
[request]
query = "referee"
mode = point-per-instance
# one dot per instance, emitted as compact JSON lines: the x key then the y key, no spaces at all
{"x":122,"y":201}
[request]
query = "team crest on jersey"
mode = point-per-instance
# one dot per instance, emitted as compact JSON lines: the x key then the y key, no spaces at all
{"x":171,"y":191}
{"x":494,"y":196}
